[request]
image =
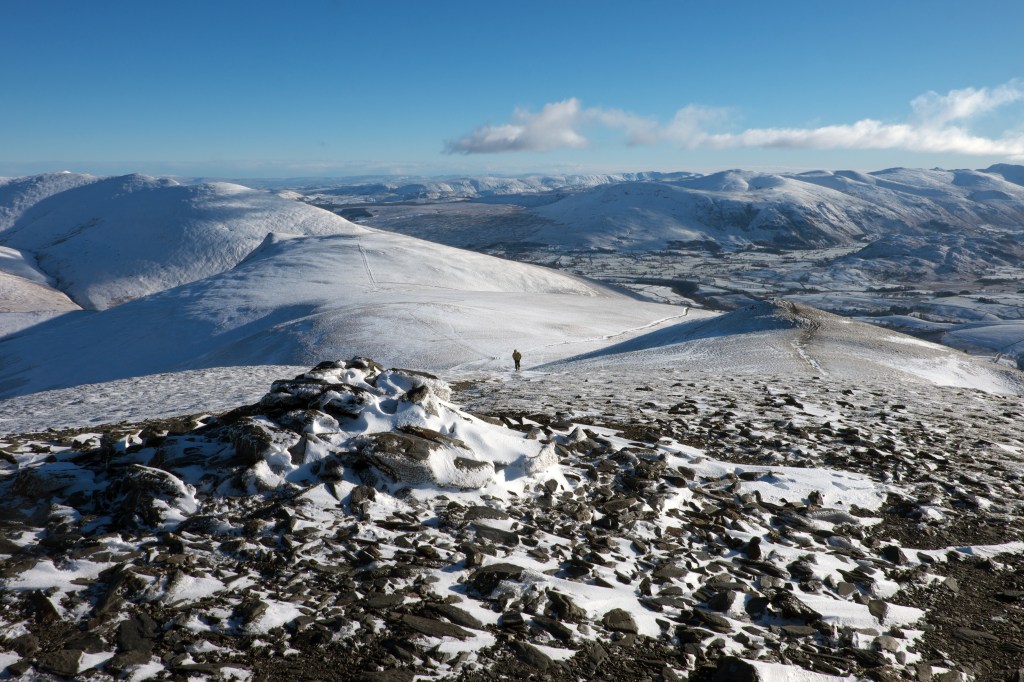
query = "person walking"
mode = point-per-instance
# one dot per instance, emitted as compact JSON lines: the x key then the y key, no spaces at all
{"x":516,"y":357}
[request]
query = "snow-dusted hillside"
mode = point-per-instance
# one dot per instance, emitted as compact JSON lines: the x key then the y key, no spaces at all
{"x":110,"y":240}
{"x":299,"y":299}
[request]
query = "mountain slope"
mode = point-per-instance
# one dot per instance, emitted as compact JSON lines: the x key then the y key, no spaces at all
{"x":17,"y":195}
{"x":111,"y":240}
{"x":299,"y":300}
{"x":27,"y":296}
{"x":784,"y":338}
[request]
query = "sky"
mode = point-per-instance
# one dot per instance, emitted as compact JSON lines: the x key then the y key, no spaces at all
{"x":221,"y":88}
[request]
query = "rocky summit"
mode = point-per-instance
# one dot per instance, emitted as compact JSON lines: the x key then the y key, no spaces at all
{"x":358,"y":524}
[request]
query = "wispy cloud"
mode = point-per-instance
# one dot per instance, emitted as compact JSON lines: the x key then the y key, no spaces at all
{"x":935,"y":109}
{"x":937,"y":123}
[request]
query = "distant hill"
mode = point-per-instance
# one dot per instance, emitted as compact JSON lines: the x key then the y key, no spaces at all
{"x":736,"y":209}
{"x":413,"y":189}
{"x":104,"y":241}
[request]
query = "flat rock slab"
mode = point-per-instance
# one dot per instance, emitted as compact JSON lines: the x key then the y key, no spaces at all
{"x":435,"y":628}
{"x":531,"y":655}
{"x":485,"y":579}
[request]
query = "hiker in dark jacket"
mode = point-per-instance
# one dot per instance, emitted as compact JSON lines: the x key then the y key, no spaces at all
{"x":516,"y":357}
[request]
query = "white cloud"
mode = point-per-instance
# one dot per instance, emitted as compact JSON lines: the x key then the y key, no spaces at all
{"x":554,"y":127}
{"x":939,"y":123}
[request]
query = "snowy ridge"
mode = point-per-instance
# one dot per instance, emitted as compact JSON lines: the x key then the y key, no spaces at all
{"x":786,"y":338}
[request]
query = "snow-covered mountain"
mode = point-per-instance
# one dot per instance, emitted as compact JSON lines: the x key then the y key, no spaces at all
{"x":734,"y":209}
{"x":104,"y":241}
{"x":298,"y":299}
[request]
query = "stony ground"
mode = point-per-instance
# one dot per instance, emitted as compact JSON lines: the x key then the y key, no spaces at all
{"x":662,"y":545}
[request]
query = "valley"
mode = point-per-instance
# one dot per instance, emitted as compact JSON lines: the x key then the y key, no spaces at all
{"x":916,"y":252}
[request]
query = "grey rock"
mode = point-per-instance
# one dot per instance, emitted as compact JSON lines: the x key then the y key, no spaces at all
{"x":19,"y":668}
{"x":456,"y":615}
{"x":553,"y":626}
{"x":562,"y":606}
{"x":617,"y":505}
{"x":482,"y":512}
{"x":42,"y":607}
{"x":733,"y":669}
{"x":969,"y":635}
{"x":666,"y":572}
{"x":136,"y":633}
{"x":89,"y":642}
{"x":64,"y":662}
{"x":531,"y":655}
{"x":250,"y":610}
{"x":878,"y":608}
{"x":25,"y":646}
{"x":722,"y":601}
{"x":799,"y":630}
{"x":712,"y":620}
{"x":791,"y":607}
{"x":894,"y":554}
{"x":845,"y":589}
{"x":381,"y":602}
{"x":596,"y":653}
{"x":886,"y":643}
{"x":435,"y":628}
{"x":619,"y":620}
{"x":127,"y":659}
{"x":485,"y":579}
{"x":502,"y":537}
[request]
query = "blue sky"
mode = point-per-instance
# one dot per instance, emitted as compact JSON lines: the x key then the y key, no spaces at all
{"x":261,"y":89}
